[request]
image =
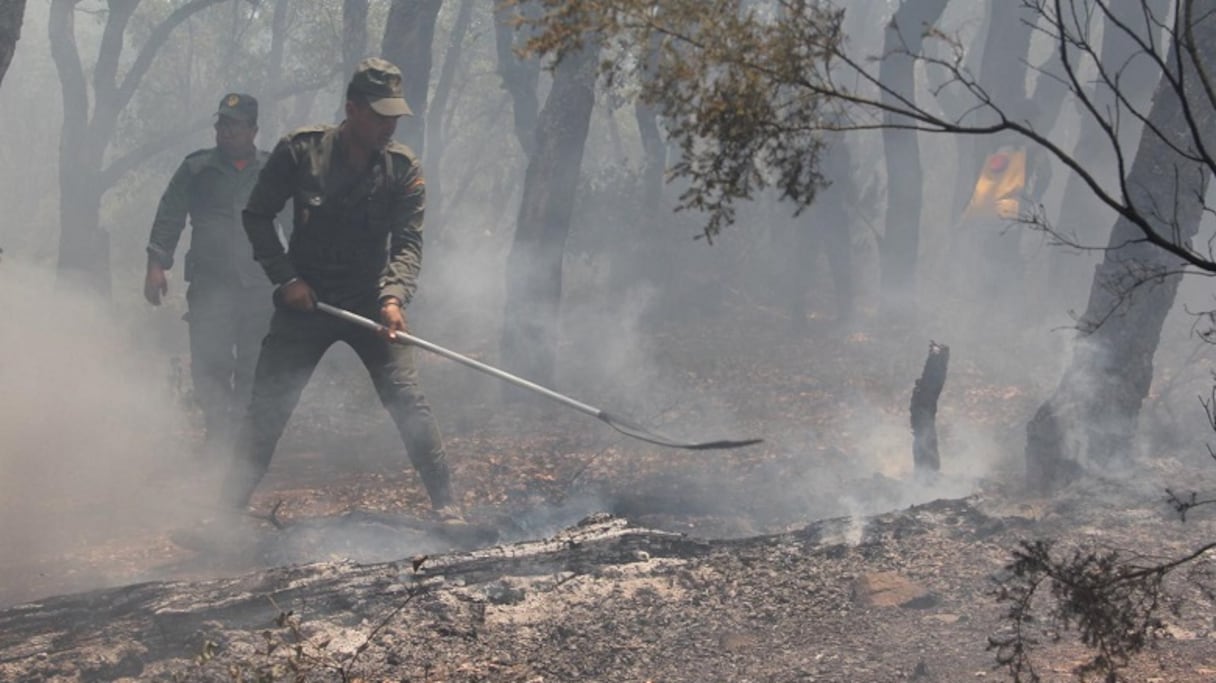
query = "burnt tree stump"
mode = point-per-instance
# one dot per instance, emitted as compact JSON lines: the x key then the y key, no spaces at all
{"x":928,"y":388}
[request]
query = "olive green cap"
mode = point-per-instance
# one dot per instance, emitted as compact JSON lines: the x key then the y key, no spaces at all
{"x":239,"y":106}
{"x":380,"y":82}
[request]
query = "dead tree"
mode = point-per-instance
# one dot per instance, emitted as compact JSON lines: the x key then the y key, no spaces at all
{"x":928,"y":389}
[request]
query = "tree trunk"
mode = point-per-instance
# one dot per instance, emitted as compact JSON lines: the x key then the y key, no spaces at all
{"x":354,"y":44}
{"x":647,"y":253}
{"x":435,"y":129}
{"x":84,"y":254}
{"x":1082,"y":215}
{"x":409,"y":36}
{"x":12,"y":13}
{"x":1090,"y":420}
{"x":898,"y":247}
{"x":534,"y":266}
{"x":519,"y":77}
{"x":354,"y":33}
{"x":925,"y":457}
{"x":825,"y":229}
{"x":269,"y":117}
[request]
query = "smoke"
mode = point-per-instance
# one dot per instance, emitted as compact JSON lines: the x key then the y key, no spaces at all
{"x":93,"y":446}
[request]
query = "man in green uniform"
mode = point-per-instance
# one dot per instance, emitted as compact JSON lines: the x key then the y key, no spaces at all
{"x":228,"y":298}
{"x":358,"y":200}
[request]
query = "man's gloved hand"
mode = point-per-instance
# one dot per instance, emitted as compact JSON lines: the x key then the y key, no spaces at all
{"x":297,"y":295}
{"x":392,"y":316}
{"x":155,"y":283}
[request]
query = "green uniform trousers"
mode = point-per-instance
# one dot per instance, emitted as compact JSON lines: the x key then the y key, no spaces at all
{"x":227,"y":324}
{"x":295,"y":344}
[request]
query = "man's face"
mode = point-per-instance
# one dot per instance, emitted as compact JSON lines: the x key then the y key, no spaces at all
{"x":367,"y":128}
{"x":233,"y":136}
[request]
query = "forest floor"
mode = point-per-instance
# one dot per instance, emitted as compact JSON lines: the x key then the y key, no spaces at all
{"x":786,"y":550}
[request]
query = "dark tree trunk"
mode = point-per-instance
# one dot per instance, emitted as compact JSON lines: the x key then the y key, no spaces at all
{"x":84,"y":176}
{"x":648,"y":252}
{"x":1090,"y":421}
{"x":269,"y":116}
{"x":12,"y":13}
{"x":534,"y":266}
{"x":928,"y":389}
{"x":435,"y":129}
{"x":654,"y":151}
{"x":354,"y":44}
{"x":409,"y":36}
{"x":1082,"y":216}
{"x":519,"y":77}
{"x":898,"y":248}
{"x":825,"y":229}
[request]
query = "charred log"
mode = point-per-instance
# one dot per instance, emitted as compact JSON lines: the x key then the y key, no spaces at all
{"x":928,"y":389}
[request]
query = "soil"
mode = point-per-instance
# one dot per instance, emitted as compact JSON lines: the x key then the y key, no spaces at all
{"x":815,"y":556}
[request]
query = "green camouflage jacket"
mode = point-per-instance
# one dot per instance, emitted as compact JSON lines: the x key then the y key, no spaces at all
{"x":357,"y":237}
{"x":210,"y":191}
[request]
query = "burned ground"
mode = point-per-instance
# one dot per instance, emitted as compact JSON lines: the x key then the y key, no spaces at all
{"x":814,"y":556}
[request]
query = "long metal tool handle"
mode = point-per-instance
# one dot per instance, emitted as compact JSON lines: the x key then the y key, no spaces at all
{"x":459,"y":358}
{"x":621,"y":424}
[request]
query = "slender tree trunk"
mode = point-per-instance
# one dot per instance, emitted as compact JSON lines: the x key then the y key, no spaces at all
{"x":436,"y":127}
{"x":899,"y":245}
{"x":12,"y":13}
{"x":84,"y":251}
{"x":654,"y":153}
{"x":269,"y":117}
{"x":825,"y":229}
{"x":1082,"y":217}
{"x":648,"y":252}
{"x":654,"y":149}
{"x":519,"y":77}
{"x":534,"y":266}
{"x":409,"y":37}
{"x":354,"y":45}
{"x":84,"y":176}
{"x":1090,"y":421}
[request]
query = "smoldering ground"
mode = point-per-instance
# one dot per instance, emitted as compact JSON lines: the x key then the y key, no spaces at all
{"x":701,"y":344}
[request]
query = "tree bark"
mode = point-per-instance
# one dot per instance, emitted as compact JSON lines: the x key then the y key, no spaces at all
{"x":409,"y":36}
{"x":1081,"y":214}
{"x":435,"y":132}
{"x":825,"y":229}
{"x":898,"y":247}
{"x":12,"y":14}
{"x":269,"y":117}
{"x":519,"y":77}
{"x":84,"y":251}
{"x":1090,"y":421}
{"x":647,"y":252}
{"x":534,"y":266}
{"x":928,"y":389}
